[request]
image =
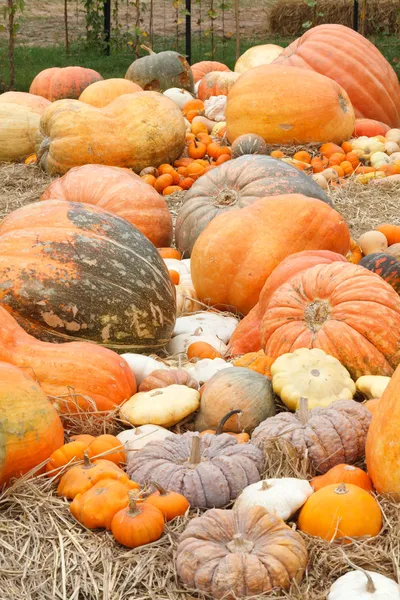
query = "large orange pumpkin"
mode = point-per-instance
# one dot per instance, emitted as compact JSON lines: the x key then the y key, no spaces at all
{"x":30,"y":428}
{"x":216,"y":83}
{"x":246,"y":337}
{"x":369,"y":128}
{"x":206,"y":66}
{"x":288,"y":106}
{"x":345,"y":310}
{"x":67,"y":82}
{"x":37,"y":104}
{"x":236,"y":253}
{"x":354,"y":63}
{"x":100,"y":93}
{"x":119,"y":191}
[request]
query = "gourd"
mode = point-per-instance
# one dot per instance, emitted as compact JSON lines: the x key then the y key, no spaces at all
{"x":161,"y":71}
{"x":179,"y":96}
{"x":366,"y":146}
{"x":372,"y":386}
{"x":165,"y":377}
{"x":180,"y":343}
{"x":311,"y":374}
{"x":245,"y":541}
{"x":108,"y":447}
{"x":256,"y":361}
{"x":256,"y":56}
{"x":282,"y":496}
{"x":101,"y":93}
{"x":343,"y":474}
{"x":214,"y":109}
{"x":378,"y":159}
{"x":142,"y":366}
{"x":67,"y":82}
{"x":138,"y":524}
{"x":364,"y":585}
{"x":138,"y":437}
{"x":209,"y":322}
{"x":78,"y":252}
{"x":206,"y":368}
{"x":65,"y":455}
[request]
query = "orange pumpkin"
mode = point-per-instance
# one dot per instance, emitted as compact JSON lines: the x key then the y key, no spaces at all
{"x":216,"y":83}
{"x":200,"y":69}
{"x":67,"y":82}
{"x":328,"y":149}
{"x":67,"y":454}
{"x":392,"y":233}
{"x":170,"y":253}
{"x":319,"y":163}
{"x":171,"y":504}
{"x":84,"y":438}
{"x":119,"y":191}
{"x":103,"y":444}
{"x":369,"y":128}
{"x":355,"y":253}
{"x":343,"y":474}
{"x":202,"y":350}
{"x":31,"y":159}
{"x":256,"y":361}
{"x":138,"y":524}
{"x":101,"y":93}
{"x":175,"y":277}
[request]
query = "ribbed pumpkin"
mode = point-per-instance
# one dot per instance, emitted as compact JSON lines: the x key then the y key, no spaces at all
{"x":369,"y":128}
{"x":302,"y":106}
{"x":257,"y":56}
{"x":203,"y":67}
{"x":345,"y":310}
{"x":161,"y":71}
{"x":216,"y":83}
{"x":30,"y":428}
{"x":386,"y":266}
{"x":236,"y":184}
{"x":249,"y":143}
{"x":101,"y":93}
{"x":255,"y":239}
{"x":67,"y":82}
{"x":119,"y":191}
{"x":134,"y":131}
{"x":71,"y":271}
{"x":246,"y":337}
{"x":354,"y":63}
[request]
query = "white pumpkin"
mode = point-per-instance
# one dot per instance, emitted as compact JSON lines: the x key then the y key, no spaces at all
{"x":393,"y":135}
{"x":256,"y":56}
{"x":372,"y":386}
{"x":138,"y":437}
{"x":282,"y":496}
{"x":217,"y":128}
{"x":179,"y":96}
{"x":394,"y":157}
{"x":142,"y":365}
{"x":391,"y":147}
{"x":161,"y":406}
{"x":214,"y":108}
{"x":378,"y":159}
{"x":364,"y":585}
{"x":220,"y":325}
{"x":311,"y":374}
{"x":366,"y":146}
{"x":186,"y":300}
{"x":180,"y":343}
{"x":206,"y":368}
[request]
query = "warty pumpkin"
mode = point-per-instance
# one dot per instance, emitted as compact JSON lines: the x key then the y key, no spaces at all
{"x":246,"y":337}
{"x":256,"y":56}
{"x":303,"y":106}
{"x":161,"y":71}
{"x":200,"y":69}
{"x":345,"y":310}
{"x":229,"y":554}
{"x":237,"y":184}
{"x":118,"y":191}
{"x":67,"y":82}
{"x":216,"y":83}
{"x":30,"y":428}
{"x":252,"y":241}
{"x":100,"y":93}
{"x":77,"y":253}
{"x":354,"y":63}
{"x":134,"y":131}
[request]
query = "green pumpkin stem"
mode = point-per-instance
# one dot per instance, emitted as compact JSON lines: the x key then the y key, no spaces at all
{"x":147,"y":48}
{"x":224,"y":419}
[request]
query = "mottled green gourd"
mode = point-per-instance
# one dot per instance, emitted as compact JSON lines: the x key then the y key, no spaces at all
{"x":162,"y":71}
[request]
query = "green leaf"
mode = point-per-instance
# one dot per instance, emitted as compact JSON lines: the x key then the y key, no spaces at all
{"x":307,"y":25}
{"x":212,"y":13}
{"x":311,"y":2}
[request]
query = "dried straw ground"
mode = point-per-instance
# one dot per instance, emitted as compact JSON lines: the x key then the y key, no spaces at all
{"x":46,"y":555}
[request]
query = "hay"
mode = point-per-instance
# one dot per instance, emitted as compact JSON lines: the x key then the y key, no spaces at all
{"x":20,"y":185}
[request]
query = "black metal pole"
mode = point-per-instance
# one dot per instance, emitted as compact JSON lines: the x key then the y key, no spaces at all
{"x":189,"y":31}
{"x":355,"y":15}
{"x":107,"y":26}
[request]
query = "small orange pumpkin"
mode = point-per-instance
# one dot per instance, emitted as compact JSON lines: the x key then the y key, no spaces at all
{"x":171,"y":504}
{"x":329,"y":149}
{"x":67,"y":454}
{"x":170,"y":253}
{"x":84,"y":438}
{"x":175,"y":277}
{"x":31,"y":159}
{"x":256,"y":361}
{"x":138,"y":524}
{"x":202,"y":350}
{"x":343,"y":474}
{"x":241,"y":438}
{"x":103,"y":444}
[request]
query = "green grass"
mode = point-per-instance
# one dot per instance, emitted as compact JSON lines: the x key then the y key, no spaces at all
{"x":31,"y":60}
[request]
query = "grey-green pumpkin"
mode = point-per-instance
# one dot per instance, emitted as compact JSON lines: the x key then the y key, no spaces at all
{"x":162,"y":71}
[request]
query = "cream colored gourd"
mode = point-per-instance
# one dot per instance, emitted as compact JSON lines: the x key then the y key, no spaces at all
{"x":364,"y":585}
{"x":321,"y":180}
{"x":283,"y":496}
{"x":394,"y":157}
{"x":142,"y":365}
{"x":186,"y":300}
{"x":379,"y":159}
{"x":330,"y":174}
{"x":162,"y":406}
{"x":256,"y":56}
{"x":372,"y":386}
{"x":311,"y":374}
{"x":217,"y":128}
{"x":138,"y":437}
{"x":372,"y":241}
{"x":391,"y":148}
{"x":366,"y":146}
{"x":214,"y":108}
{"x":210,"y":324}
{"x":179,"y":96}
{"x":19,"y":126}
{"x":206,"y":368}
{"x":393,"y":135}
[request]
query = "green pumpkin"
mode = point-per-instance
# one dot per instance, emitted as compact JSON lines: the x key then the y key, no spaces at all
{"x":162,"y":71}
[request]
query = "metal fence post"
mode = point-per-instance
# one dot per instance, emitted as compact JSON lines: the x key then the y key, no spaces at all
{"x":107,"y":26}
{"x":189,"y":31}
{"x":355,"y":15}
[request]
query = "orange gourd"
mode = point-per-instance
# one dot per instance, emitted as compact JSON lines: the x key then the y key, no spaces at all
{"x":335,"y":159}
{"x":201,"y":350}
{"x":352,"y":158}
{"x":347,"y":167}
{"x":175,"y":277}
{"x":162,"y":182}
{"x":138,"y":524}
{"x":196,"y":149}
{"x":347,"y":147}
{"x":171,"y":189}
{"x":343,"y":474}
{"x":66,"y":455}
{"x":355,"y":254}
{"x":302,"y":156}
{"x":171,"y":504}
{"x":319,"y":163}
{"x":392,"y":233}
{"x":277,"y":154}
{"x":102,"y":446}
{"x":170,"y":253}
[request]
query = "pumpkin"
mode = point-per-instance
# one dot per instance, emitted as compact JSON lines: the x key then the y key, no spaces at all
{"x":216,"y":83}
{"x":101,"y":93}
{"x":246,"y":338}
{"x":343,"y":474}
{"x":372,"y":386}
{"x":315,"y":111}
{"x":161,"y":71}
{"x":138,"y":524}
{"x":67,"y":82}
{"x":256,"y":361}
{"x":209,"y":322}
{"x":164,"y":406}
{"x":311,"y":374}
{"x":179,"y":96}
{"x":252,"y":241}
{"x":206,"y":368}
{"x":327,"y":436}
{"x":256,"y":56}
{"x":37,"y":104}
{"x":340,"y":511}
{"x":364,"y":585}
{"x":385,"y":265}
{"x":391,"y":232}
{"x":249,"y":143}
{"x":80,"y":478}
{"x":372,"y":242}
{"x":84,"y":438}
{"x":137,"y":437}
{"x":30,"y":428}
{"x":97,"y":506}
{"x":65,"y":455}
{"x":372,"y":405}
{"x":171,"y":504}
{"x":242,"y":438}
{"x":341,"y":308}
{"x":161,"y":378}
{"x":237,"y":184}
{"x":76,"y":253}
{"x":355,"y":253}
{"x":186,"y":300}
{"x":236,"y":388}
{"x":201,"y":350}
{"x":369,"y":128}
{"x":108,"y":447}
{"x":229,"y":554}
{"x":142,"y":366}
{"x":200,"y":69}
{"x":282,"y":496}
{"x":335,"y":51}
{"x":210,"y":471}
{"x":118,"y":191}
{"x":116,"y":135}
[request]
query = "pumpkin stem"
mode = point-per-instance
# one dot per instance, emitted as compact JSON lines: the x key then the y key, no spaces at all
{"x":147,"y":48}
{"x":239,"y":544}
{"x":341,"y":489}
{"x":132,"y":506}
{"x":198,"y":331}
{"x":195,"y":451}
{"x":265,"y":486}
{"x":303,"y":412}
{"x":370,"y":588}
{"x":159,"y":488}
{"x":349,"y":468}
{"x":224,"y":419}
{"x":87,"y":463}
